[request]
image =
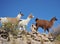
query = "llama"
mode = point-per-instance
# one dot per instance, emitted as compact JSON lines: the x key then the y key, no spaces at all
{"x":45,"y":24}
{"x":33,"y":28}
{"x":24,"y":22}
{"x":10,"y":20}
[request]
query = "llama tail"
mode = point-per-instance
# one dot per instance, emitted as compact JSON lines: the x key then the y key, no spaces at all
{"x":36,"y":19}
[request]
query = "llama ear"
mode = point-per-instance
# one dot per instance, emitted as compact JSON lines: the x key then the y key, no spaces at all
{"x":21,"y":13}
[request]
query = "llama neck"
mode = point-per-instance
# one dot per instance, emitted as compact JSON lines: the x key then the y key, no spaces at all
{"x":51,"y":22}
{"x":28,"y":19}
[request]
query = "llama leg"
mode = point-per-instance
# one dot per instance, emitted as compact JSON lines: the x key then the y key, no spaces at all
{"x":48,"y":30}
{"x":37,"y":26}
{"x":44,"y":29}
{"x":24,"y":27}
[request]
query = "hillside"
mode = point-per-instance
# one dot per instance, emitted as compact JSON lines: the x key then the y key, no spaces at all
{"x":10,"y":34}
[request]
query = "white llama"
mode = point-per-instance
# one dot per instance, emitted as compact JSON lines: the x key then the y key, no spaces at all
{"x":23,"y":23}
{"x":33,"y":28}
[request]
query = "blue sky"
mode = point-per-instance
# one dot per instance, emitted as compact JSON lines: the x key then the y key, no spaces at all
{"x":42,"y":9}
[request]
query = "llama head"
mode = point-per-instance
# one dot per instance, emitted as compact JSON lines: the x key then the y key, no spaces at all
{"x":19,"y":16}
{"x":31,"y":16}
{"x":54,"y":19}
{"x":33,"y":26}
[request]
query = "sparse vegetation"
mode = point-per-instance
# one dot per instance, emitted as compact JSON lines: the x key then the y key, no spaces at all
{"x":10,"y":28}
{"x":58,"y":38}
{"x":13,"y":30}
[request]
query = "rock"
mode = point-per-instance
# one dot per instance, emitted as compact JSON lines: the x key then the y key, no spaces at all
{"x":29,"y":38}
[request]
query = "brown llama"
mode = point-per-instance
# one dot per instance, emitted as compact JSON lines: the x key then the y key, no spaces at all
{"x":5,"y":20}
{"x":45,"y":24}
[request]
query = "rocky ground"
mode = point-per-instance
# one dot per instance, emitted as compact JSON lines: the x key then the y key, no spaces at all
{"x":25,"y":37}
